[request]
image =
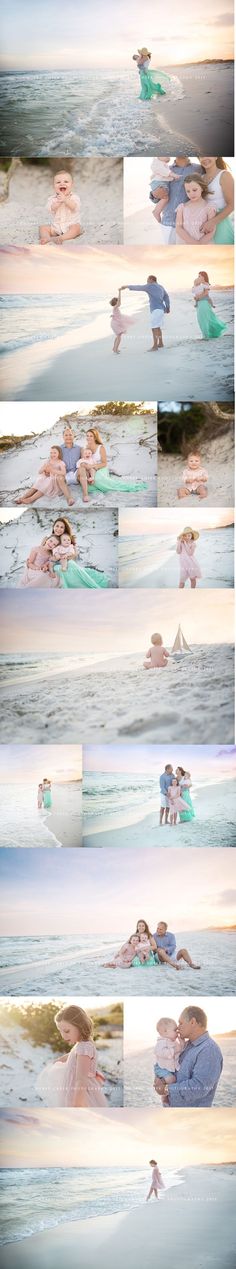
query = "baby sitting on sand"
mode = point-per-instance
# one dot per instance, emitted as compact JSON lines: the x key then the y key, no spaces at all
{"x":157,"y":655}
{"x":64,"y":207}
{"x":167,"y":1051}
{"x":161,"y":171}
{"x":87,"y":461}
{"x":195,"y":477}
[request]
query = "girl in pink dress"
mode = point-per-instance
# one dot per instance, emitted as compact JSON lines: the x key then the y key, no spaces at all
{"x":36,"y":569}
{"x":51,"y":479}
{"x":124,"y":958}
{"x":189,"y":567}
{"x":73,"y":1080}
{"x":176,"y":803}
{"x":193,"y":217}
{"x":119,"y":323}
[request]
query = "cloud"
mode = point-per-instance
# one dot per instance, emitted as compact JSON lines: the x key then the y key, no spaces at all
{"x":223,"y":19}
{"x":227,"y":897}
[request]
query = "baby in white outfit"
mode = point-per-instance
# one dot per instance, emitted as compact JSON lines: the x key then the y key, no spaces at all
{"x":167,"y":1050}
{"x":160,"y":171}
{"x":64,"y":207}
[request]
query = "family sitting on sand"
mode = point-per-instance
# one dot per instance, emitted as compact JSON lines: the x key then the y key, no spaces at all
{"x":72,"y":464}
{"x":159,"y":305}
{"x":74,"y":1079}
{"x":54,"y":562}
{"x":45,"y":795}
{"x":194,"y":202}
{"x":188,"y":1063}
{"x":175,"y":796}
{"x":144,"y":948}
{"x":64,"y":208}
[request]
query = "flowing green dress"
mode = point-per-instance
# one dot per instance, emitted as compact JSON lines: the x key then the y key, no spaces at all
{"x":190,"y":813}
{"x":153,"y":83}
{"x":225,"y":232}
{"x":210,"y":325}
{"x":151,"y":960}
{"x":77,"y":578}
{"x":105,"y":483}
{"x":47,"y":799}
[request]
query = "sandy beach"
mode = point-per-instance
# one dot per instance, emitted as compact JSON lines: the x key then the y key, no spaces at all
{"x":96,"y":535}
{"x":195,"y":1220}
{"x":132,"y":453}
{"x":214,"y":823}
{"x":218,"y":458}
{"x":188,"y":367}
{"x":121,"y":703}
{"x":28,"y":188}
{"x":91,"y":113}
{"x":153,"y":561}
{"x":61,"y":971}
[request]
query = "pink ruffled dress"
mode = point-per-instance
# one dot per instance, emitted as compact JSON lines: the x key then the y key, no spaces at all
{"x":189,"y":567}
{"x":119,"y":323}
{"x":49,"y":484}
{"x":59,"y":1081}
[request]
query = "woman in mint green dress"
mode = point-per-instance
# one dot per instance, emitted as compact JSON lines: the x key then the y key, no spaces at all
{"x":94,"y":472}
{"x":210,"y":325}
{"x":154,"y":83}
{"x":221,"y":193}
{"x":184,"y":781}
{"x":47,"y":795}
{"x":75,"y":576}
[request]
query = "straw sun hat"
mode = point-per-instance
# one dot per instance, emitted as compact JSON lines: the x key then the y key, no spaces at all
{"x":144,"y":52}
{"x":194,"y":533}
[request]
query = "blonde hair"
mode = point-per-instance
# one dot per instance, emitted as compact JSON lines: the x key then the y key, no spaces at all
{"x":199,"y":180}
{"x":156,"y":638}
{"x":78,"y":1018}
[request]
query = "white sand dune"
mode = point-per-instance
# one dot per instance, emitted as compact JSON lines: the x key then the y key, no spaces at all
{"x":125,"y":704}
{"x":188,"y":367}
{"x":95,"y":533}
{"x":191,"y":1224}
{"x":98,"y":183}
{"x":218,"y":458}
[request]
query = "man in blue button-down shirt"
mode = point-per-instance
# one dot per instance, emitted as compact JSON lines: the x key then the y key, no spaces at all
{"x":200,"y":1064}
{"x":159,"y":304}
{"x":166,"y":778}
{"x":166,"y":941}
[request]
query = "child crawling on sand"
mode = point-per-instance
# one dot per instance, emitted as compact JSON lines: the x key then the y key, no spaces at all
{"x":119,"y":323}
{"x":64,"y":208}
{"x":195,"y":477}
{"x":156,"y":656}
{"x":167,"y":1051}
{"x":157,"y":1182}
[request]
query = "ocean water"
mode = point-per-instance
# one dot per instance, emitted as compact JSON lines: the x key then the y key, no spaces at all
{"x":80,"y":112}
{"x":22,"y":824}
{"x":34,"y":1199}
{"x":75,"y":965}
{"x":105,"y":793}
{"x":33,"y":319}
{"x":140,"y":557}
{"x":139,"y":1089}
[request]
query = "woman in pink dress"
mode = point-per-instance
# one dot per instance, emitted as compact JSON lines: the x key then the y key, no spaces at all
{"x":73,"y":1080}
{"x":119,"y":323}
{"x":51,"y":479}
{"x":189,"y":567}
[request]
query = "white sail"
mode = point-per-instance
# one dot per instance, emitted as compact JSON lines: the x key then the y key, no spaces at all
{"x":180,"y":643}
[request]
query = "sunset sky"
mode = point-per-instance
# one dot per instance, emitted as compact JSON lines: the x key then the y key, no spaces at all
{"x":152,"y":520}
{"x":56,"y":1138}
{"x":142,"y":1015}
{"x":72,"y":895}
{"x":106,"y":35}
{"x":23,"y":763}
{"x":101,"y":270}
{"x":218,"y":762}
{"x":49,"y":623}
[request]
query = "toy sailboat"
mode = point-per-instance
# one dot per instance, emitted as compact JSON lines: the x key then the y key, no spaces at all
{"x":180,"y":644}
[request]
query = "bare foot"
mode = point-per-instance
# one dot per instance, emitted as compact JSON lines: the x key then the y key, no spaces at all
{"x":85,"y":498}
{"x":71,"y":502}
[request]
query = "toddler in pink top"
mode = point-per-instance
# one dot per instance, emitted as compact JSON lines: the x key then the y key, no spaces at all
{"x":191,"y":217}
{"x":189,"y":567}
{"x":167,"y":1050}
{"x":64,"y":208}
{"x":195,"y":477}
{"x":156,"y":656}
